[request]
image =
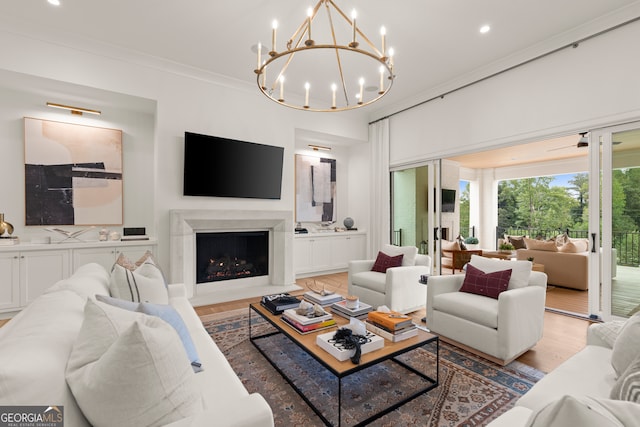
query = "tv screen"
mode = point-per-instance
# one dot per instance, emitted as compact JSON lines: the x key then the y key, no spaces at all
{"x":222,"y":167}
{"x":448,"y":200}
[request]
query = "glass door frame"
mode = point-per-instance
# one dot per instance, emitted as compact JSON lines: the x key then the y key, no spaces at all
{"x":601,"y":218}
{"x":434,"y":199}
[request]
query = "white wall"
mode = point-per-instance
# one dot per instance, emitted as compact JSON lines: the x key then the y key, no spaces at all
{"x":186,"y":99}
{"x":572,"y":90}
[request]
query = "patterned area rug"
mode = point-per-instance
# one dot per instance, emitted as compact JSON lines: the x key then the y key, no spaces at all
{"x":472,"y":391}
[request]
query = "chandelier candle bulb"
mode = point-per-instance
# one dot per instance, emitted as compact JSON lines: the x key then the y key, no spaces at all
{"x":361,"y":89}
{"x":391,"y":52}
{"x":354,"y":15}
{"x":333,"y":90}
{"x":274,"y":27}
{"x":306,"y":94}
{"x":259,"y":57}
{"x":281,"y":89}
{"x":309,"y":41}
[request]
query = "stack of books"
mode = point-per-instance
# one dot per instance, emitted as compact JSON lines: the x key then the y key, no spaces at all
{"x":340,"y":308}
{"x":307,"y":324}
{"x":9,"y":240}
{"x":277,"y":303}
{"x":392,"y":326}
{"x":323,"y":300}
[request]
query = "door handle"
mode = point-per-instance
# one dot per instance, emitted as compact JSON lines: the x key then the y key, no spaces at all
{"x":593,"y":243}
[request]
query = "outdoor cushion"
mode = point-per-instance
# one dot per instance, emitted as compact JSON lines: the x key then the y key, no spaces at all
{"x":541,"y":245}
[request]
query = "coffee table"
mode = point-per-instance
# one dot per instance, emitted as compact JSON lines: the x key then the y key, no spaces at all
{"x":341,"y":370}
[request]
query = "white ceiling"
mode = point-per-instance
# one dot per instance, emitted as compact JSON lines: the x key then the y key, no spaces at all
{"x":437,"y":42}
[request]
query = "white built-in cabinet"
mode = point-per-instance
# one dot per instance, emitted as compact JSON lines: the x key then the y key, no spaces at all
{"x":327,"y":252}
{"x":27,"y":270}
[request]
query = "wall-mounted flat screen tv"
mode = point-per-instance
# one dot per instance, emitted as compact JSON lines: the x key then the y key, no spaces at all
{"x":222,"y":167}
{"x":448,"y":200}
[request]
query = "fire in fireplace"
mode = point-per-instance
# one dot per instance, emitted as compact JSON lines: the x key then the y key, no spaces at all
{"x":231,"y":255}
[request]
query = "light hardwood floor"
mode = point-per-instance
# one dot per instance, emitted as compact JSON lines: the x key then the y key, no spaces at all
{"x":563,"y":335}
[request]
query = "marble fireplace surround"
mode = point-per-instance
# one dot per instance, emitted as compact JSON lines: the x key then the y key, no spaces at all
{"x":184,"y":224}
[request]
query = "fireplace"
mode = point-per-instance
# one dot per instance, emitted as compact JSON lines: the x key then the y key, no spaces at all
{"x":276,"y":276}
{"x":231,"y":255}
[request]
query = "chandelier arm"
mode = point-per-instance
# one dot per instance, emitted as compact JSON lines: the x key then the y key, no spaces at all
{"x":364,"y":37}
{"x":335,"y":42}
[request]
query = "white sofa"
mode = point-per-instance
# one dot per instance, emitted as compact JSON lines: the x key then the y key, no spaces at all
{"x":501,"y":328}
{"x":399,"y":288}
{"x":36,"y":344}
{"x":587,"y":376}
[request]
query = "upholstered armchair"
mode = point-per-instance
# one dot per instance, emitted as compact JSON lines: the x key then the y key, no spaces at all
{"x":398,"y":287}
{"x":501,"y":328}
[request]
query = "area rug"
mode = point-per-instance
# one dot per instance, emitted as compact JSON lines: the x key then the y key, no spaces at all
{"x":472,"y":391}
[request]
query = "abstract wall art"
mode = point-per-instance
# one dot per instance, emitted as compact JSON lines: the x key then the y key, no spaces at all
{"x":315,"y":189}
{"x":73,"y":174}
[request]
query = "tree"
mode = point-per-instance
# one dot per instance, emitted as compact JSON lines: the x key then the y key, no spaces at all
{"x":580,"y":191}
{"x":464,"y":211}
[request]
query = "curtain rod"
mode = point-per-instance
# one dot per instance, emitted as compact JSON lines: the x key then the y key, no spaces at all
{"x":574,"y":45}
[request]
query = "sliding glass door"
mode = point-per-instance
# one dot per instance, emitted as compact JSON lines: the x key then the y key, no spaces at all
{"x":413,"y":218}
{"x":614,"y":225}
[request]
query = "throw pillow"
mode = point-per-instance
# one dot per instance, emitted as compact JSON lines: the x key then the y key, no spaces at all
{"x":487,"y":284}
{"x":625,"y":349}
{"x":575,"y":246}
{"x":584,"y":412}
{"x":141,"y":378}
{"x":125,"y":262}
{"x":521,"y":270}
{"x":561,"y":239}
{"x":627,"y":387}
{"x":409,"y":253}
{"x":166,"y":313}
{"x":541,"y":245}
{"x":607,"y":331}
{"x":172,"y":317}
{"x":517,"y":242}
{"x":384,"y":261}
{"x":144,"y":284}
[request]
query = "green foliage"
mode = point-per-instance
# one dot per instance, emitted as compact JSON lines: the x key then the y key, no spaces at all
{"x":471,"y":240}
{"x":464,"y":210}
{"x":506,"y":247}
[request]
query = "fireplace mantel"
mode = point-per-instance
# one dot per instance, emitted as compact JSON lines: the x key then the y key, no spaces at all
{"x":186,"y":223}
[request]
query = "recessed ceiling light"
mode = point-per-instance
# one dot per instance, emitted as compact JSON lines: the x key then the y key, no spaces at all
{"x":54,"y":2}
{"x":485,"y":29}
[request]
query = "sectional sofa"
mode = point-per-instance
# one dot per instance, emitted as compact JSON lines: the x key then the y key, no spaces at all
{"x":43,"y":348}
{"x":597,"y":387}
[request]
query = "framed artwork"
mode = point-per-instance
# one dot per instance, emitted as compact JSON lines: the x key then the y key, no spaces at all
{"x":73,"y":174}
{"x":315,"y":189}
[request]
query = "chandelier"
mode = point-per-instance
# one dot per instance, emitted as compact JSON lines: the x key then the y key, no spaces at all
{"x":317,"y":72}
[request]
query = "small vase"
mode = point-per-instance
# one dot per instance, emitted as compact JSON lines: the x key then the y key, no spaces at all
{"x":5,"y":227}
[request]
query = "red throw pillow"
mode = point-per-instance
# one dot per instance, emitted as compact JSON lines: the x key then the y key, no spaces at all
{"x":384,"y":261}
{"x":488,"y":284}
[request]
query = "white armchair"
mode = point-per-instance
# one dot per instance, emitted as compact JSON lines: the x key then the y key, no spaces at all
{"x":398,"y":288}
{"x":502,"y":328}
